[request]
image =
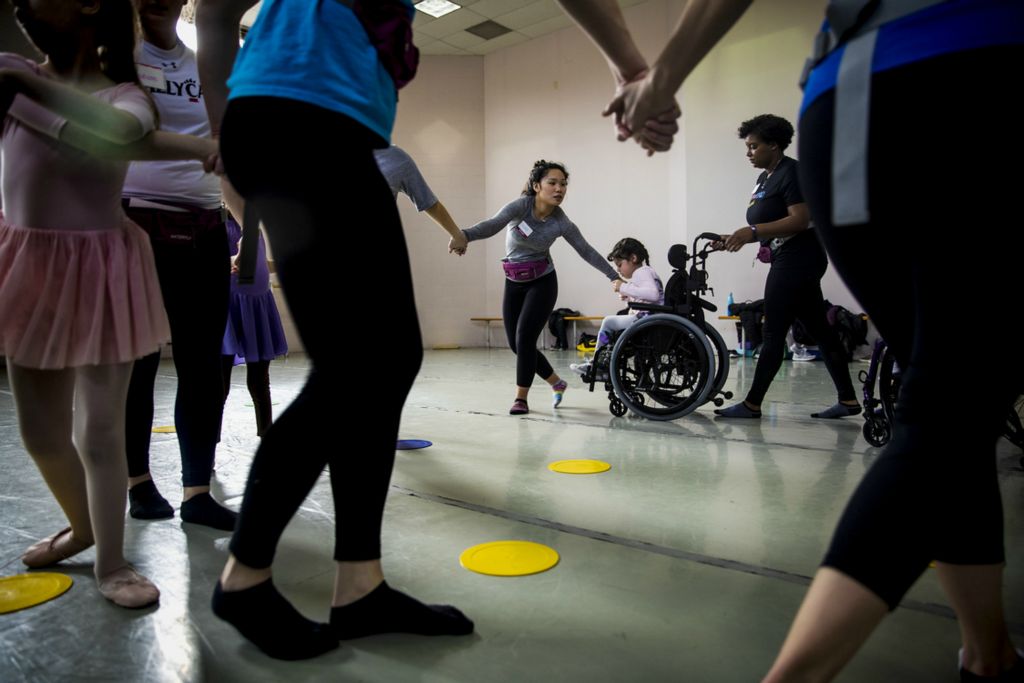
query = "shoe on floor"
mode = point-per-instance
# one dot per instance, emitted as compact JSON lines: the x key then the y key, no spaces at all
{"x":581,"y":369}
{"x":145,"y":502}
{"x":738,"y":410}
{"x":558,"y":392}
{"x":519,"y":407}
{"x":126,"y":587}
{"x":837,"y":411}
{"x":52,"y":549}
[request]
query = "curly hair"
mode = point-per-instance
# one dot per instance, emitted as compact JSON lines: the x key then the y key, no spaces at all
{"x":770,"y":128}
{"x":537,"y":173}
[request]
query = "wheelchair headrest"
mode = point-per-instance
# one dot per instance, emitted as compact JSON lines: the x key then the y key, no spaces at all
{"x":677,"y":256}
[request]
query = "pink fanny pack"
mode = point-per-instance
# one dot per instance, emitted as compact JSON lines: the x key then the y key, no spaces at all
{"x":525,"y":270}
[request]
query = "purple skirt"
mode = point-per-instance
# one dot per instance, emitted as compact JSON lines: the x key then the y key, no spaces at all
{"x":254,"y":330}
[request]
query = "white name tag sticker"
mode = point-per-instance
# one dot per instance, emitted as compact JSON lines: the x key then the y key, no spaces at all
{"x":525,"y":229}
{"x":151,"y":76}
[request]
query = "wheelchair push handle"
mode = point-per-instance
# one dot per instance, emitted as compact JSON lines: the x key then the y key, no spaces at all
{"x":714,"y":243}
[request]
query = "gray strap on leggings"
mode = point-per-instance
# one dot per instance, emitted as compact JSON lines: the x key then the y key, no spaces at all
{"x":860,"y":18}
{"x":850,"y":132}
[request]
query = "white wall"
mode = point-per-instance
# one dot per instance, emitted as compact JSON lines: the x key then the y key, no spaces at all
{"x":476,"y":125}
{"x":754,"y":70}
{"x":542,"y":99}
{"x":441,"y":125}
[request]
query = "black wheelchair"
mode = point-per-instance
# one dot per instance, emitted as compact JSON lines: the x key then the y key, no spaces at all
{"x":883,"y":373}
{"x":670,"y":362}
{"x":884,"y":377}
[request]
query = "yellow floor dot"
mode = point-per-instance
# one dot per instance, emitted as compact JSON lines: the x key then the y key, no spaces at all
{"x":509,"y":558}
{"x":165,"y":429}
{"x":28,"y":590}
{"x":579,"y":466}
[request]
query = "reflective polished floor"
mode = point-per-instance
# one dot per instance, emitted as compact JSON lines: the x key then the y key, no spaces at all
{"x":685,"y":562}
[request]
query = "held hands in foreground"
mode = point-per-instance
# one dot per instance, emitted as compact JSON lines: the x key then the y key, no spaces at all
{"x":639,"y":112}
{"x":457,"y":245}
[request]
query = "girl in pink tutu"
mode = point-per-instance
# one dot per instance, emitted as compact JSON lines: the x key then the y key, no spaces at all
{"x":79,"y":298}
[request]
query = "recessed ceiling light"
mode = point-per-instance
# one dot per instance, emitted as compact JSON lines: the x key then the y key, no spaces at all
{"x":437,"y":8}
{"x":488,"y":30}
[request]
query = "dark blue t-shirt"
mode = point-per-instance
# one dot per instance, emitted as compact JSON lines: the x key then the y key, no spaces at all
{"x":769,"y":202}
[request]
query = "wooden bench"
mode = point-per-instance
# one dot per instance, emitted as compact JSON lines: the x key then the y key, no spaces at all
{"x":487,"y":321}
{"x":736,"y":319}
{"x":579,"y":318}
{"x":544,"y":333}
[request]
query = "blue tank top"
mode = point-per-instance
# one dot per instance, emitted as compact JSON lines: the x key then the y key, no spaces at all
{"x":316,"y":51}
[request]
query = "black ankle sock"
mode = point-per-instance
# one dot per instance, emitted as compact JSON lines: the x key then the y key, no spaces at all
{"x":738,"y":410}
{"x":837,"y":411}
{"x":1014,"y":674}
{"x":147,"y":503}
{"x":203,"y":509}
{"x":263,"y":616}
{"x":385,"y":610}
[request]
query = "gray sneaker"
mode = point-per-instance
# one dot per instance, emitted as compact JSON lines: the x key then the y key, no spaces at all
{"x":581,"y":369}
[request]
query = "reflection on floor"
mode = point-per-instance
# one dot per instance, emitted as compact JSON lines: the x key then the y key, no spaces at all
{"x":684,"y":562}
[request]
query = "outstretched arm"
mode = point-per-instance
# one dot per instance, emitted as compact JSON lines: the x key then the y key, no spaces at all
{"x":439,"y":214}
{"x":602,"y":20}
{"x":641,"y":101}
{"x":106,"y":122}
{"x":217,"y":23}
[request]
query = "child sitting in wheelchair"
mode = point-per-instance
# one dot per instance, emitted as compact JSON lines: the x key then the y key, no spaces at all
{"x":644,"y":286}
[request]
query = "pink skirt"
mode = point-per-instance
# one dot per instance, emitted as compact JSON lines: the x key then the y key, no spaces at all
{"x":71,"y":298}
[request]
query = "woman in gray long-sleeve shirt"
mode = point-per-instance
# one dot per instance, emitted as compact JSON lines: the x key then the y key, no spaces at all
{"x":532,"y":223}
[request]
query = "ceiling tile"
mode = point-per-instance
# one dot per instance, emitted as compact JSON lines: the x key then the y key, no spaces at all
{"x":530,"y":14}
{"x":507,"y":40}
{"x":451,"y":23}
{"x":439,"y":47}
{"x":547,"y":26}
{"x":494,"y":8}
{"x":463,"y":40}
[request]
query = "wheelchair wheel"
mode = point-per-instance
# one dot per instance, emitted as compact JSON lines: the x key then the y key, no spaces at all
{"x":888,"y":384}
{"x":721,"y":350}
{"x":617,"y":407}
{"x":877,"y":432}
{"x":669,"y":359}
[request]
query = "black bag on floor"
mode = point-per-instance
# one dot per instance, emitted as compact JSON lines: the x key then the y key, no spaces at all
{"x":556,"y":325}
{"x":751,"y":315}
{"x":586,"y":342}
{"x":851,"y":328}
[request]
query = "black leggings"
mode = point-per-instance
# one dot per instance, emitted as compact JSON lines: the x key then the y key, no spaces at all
{"x":526,"y":308}
{"x":935,"y":199}
{"x":311,"y":220}
{"x":257,"y":380}
{"x":795,"y":294}
{"x":195,"y":282}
